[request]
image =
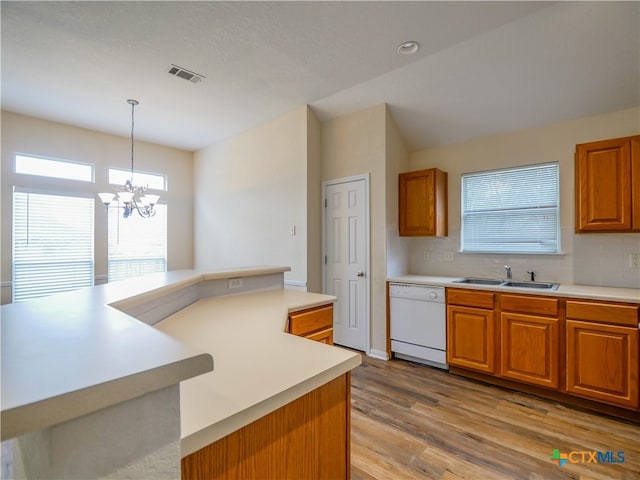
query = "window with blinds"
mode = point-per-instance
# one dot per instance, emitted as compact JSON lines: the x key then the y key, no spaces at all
{"x":52,"y":243}
{"x":137,"y":246}
{"x":513,"y":210}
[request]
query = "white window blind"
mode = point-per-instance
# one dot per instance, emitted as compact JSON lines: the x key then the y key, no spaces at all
{"x":511,"y":211}
{"x":137,"y":246}
{"x":52,"y":243}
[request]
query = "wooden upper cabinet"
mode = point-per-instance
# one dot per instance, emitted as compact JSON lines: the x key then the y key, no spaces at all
{"x":423,"y":203}
{"x":607,"y":175}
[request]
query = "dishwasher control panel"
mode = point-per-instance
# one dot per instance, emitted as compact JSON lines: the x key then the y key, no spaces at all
{"x":425,"y":293}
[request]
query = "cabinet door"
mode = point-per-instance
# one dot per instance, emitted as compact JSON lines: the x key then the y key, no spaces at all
{"x":603,"y":186}
{"x":602,"y":362}
{"x":530,"y":349}
{"x":471,"y":338}
{"x":423,"y":203}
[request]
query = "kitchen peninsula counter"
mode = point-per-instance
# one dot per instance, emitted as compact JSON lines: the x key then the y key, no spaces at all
{"x":211,"y":346}
{"x":259,"y":368}
{"x":72,"y":354}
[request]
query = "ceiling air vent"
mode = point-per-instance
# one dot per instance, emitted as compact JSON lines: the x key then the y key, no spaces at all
{"x":193,"y":77}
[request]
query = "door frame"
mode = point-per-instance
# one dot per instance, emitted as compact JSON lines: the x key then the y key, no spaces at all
{"x":367,"y":247}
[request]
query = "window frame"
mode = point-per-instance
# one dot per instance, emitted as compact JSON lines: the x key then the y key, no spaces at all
{"x":91,"y":166}
{"x":126,"y":175}
{"x":117,"y":213}
{"x":513,"y":213}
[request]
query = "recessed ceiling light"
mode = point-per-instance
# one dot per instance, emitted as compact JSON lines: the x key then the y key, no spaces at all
{"x":408,"y":48}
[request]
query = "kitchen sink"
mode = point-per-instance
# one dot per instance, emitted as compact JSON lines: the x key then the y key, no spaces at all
{"x":479,"y":281}
{"x":538,"y":285}
{"x":508,"y":283}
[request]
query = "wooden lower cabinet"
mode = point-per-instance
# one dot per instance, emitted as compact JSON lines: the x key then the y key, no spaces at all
{"x":586,"y":352}
{"x":307,"y":438}
{"x":471,"y":338}
{"x":602,"y":362}
{"x":602,"y":352}
{"x":323,"y":336}
{"x":313,"y":323}
{"x":530,"y":339}
{"x":530,"y":349}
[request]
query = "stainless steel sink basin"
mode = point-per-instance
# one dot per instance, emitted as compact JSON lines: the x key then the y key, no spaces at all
{"x":508,"y":283}
{"x":538,"y":285}
{"x":479,"y":281}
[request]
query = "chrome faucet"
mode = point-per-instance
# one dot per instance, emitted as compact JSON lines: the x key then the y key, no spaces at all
{"x":508,"y":269}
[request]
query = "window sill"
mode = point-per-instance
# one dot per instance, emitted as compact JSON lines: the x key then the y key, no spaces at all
{"x":553,"y":254}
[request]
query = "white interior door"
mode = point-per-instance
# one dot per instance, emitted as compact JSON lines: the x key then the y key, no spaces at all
{"x":346,"y":275}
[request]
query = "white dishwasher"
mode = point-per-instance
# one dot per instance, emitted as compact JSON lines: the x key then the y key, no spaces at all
{"x":418,"y":323}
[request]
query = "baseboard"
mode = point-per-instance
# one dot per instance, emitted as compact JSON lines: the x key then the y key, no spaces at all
{"x":379,"y":354}
{"x":296,"y":285}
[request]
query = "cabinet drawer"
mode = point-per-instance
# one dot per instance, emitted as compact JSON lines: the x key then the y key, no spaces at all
{"x":323,"y":336}
{"x":470,"y":298}
{"x":603,"y":312}
{"x":529,"y":304}
{"x":312,"y":320}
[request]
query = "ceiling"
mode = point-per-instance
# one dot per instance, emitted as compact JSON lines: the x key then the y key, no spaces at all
{"x":483,"y":67}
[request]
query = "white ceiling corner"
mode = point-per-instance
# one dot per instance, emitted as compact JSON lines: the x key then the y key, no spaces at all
{"x":484,"y":67}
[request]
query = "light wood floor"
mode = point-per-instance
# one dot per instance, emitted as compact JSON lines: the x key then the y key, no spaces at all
{"x":410,"y":421}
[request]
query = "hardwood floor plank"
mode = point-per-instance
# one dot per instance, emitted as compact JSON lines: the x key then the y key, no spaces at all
{"x":415,"y":422}
{"x":399,"y":452}
{"x":456,"y":467}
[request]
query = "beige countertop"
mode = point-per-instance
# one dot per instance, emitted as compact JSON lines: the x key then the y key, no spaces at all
{"x":614,"y":294}
{"x":258,"y":367}
{"x":71,"y":354}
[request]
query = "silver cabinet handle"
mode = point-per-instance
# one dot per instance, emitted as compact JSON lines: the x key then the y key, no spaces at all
{"x":360,"y":274}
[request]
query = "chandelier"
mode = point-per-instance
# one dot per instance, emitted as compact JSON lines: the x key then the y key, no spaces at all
{"x":132,"y":198}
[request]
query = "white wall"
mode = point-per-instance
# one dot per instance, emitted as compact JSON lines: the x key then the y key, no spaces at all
{"x":590,"y":259}
{"x":250,"y":190}
{"x":314,"y":205}
{"x":396,"y":161}
{"x":29,"y":135}
{"x":355,"y":145}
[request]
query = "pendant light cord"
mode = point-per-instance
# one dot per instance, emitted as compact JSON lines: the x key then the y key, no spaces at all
{"x":133,"y":106}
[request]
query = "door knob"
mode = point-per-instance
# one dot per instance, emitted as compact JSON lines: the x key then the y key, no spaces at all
{"x":360,"y":274}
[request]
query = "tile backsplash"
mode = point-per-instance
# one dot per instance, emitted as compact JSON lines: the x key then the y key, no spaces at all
{"x":605,"y":259}
{"x":587,"y":259}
